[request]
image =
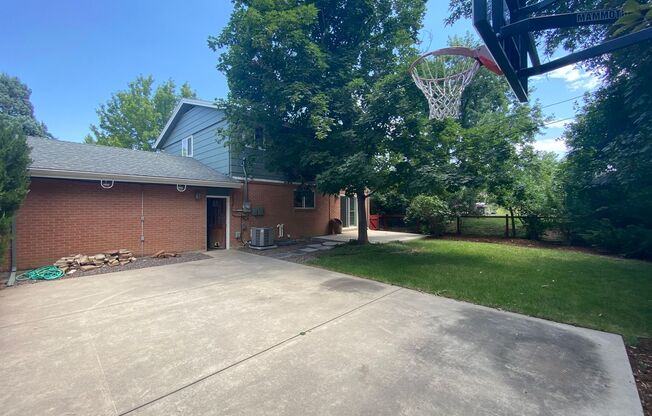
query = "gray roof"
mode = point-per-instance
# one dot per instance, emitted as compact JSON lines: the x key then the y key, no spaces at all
{"x":60,"y":159}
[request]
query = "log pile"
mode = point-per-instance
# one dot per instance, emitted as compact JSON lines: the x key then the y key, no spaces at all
{"x":71,"y":264}
{"x":162,"y":254}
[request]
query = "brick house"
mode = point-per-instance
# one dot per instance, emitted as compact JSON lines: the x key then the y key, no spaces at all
{"x":191,"y":194}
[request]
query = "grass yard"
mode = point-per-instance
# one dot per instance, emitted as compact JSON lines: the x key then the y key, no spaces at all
{"x":604,"y":293}
{"x":485,"y":227}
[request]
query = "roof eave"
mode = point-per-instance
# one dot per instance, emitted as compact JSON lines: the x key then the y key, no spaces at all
{"x":66,"y":174}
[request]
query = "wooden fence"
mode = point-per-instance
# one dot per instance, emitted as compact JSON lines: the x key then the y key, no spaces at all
{"x":469,"y":225}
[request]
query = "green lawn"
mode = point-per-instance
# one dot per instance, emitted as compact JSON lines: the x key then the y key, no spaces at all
{"x":485,"y":227}
{"x":604,"y":293}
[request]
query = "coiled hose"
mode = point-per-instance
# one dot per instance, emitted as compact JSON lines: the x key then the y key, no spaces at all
{"x":42,"y":273}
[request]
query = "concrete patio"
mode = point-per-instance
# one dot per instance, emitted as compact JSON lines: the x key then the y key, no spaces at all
{"x":240,"y":334}
{"x":375,"y":236}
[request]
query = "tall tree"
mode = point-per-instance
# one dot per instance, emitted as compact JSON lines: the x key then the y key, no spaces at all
{"x":609,"y":163}
{"x":133,"y":118}
{"x":310,"y":73}
{"x":482,"y":151}
{"x":15,"y":103}
{"x":14,"y":182}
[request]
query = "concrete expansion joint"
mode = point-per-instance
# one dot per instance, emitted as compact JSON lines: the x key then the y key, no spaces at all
{"x":259,"y":353}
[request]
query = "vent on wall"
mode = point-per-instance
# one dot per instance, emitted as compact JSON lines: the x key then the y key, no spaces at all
{"x":262,"y":237}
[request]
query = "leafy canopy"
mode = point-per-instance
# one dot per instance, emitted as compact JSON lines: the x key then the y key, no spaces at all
{"x":608,"y":171}
{"x":315,"y":75}
{"x":134,"y":118}
{"x":15,"y":103}
{"x":14,"y":182}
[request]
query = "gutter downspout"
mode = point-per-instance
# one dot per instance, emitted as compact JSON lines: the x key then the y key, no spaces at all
{"x":12,"y":261}
{"x":246,"y":181}
{"x":142,"y":221}
{"x":245,"y":199}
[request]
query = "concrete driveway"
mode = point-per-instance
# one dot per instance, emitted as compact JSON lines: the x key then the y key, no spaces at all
{"x":248,"y":335}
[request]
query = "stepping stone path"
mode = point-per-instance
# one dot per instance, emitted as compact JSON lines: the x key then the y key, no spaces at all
{"x":332,"y":243}
{"x":307,"y":249}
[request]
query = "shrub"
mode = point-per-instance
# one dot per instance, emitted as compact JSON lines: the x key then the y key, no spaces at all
{"x":428,"y":213}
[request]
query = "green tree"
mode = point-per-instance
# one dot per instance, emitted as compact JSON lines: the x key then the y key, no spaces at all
{"x":457,"y":159}
{"x":15,"y":103}
{"x":134,"y":118}
{"x":14,"y":182}
{"x":429,"y":213}
{"x":637,"y":16}
{"x":538,"y":193}
{"x":608,"y":171}
{"x":314,"y":74}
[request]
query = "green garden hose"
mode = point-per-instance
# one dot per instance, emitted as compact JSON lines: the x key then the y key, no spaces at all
{"x":42,"y":273}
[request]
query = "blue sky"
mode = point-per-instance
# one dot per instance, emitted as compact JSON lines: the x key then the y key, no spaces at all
{"x":73,"y":54}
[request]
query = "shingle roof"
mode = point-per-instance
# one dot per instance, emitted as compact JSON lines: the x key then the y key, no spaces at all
{"x":55,"y":158}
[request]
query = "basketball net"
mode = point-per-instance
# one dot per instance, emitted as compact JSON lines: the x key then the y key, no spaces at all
{"x":442,"y":76}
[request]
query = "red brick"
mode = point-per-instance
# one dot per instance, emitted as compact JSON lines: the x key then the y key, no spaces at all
{"x":278,"y":201}
{"x":64,"y":217}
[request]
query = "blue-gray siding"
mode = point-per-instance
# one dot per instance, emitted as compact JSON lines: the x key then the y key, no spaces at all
{"x":255,"y":166}
{"x":202,"y":123}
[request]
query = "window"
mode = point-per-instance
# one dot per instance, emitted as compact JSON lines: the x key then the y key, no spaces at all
{"x":186,"y":147}
{"x":259,"y":137}
{"x":304,"y":198}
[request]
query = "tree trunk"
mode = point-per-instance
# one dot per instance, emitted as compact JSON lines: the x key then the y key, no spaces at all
{"x":363,"y":238}
{"x":511,"y":212}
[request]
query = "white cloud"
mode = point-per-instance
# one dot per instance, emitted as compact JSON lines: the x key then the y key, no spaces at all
{"x":556,"y":145}
{"x":574,"y":77}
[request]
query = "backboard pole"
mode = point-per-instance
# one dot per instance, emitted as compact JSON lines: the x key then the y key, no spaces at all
{"x":592,"y":52}
{"x":482,"y":25}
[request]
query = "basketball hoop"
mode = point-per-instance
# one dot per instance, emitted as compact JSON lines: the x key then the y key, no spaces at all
{"x":442,"y":76}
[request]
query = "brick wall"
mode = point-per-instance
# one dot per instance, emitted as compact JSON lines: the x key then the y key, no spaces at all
{"x":64,"y":217}
{"x":278,"y":202}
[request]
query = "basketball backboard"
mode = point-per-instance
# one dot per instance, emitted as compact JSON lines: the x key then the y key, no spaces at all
{"x":508,"y":27}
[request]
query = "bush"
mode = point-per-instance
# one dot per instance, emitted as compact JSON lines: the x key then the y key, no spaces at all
{"x":390,"y":202}
{"x":428,"y":213}
{"x":534,"y":226}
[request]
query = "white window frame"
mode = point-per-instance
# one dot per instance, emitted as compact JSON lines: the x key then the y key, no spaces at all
{"x":303,"y":200}
{"x":348,"y":201}
{"x":187,"y":145}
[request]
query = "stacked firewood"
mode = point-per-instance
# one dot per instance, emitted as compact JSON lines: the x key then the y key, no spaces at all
{"x":162,"y":254}
{"x":71,"y":264}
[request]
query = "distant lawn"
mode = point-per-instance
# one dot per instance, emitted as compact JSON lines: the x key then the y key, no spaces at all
{"x":604,"y":293}
{"x":485,"y":227}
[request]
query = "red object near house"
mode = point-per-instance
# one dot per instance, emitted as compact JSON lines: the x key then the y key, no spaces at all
{"x":374,"y":221}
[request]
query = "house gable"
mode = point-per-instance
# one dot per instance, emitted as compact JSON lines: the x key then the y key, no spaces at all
{"x":202,"y":122}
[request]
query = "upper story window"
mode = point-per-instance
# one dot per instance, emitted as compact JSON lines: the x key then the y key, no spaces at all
{"x":186,"y":146}
{"x":259,"y":138}
{"x":304,"y":198}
